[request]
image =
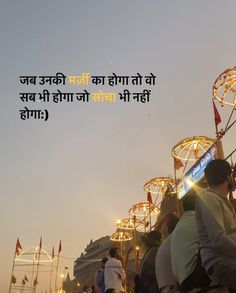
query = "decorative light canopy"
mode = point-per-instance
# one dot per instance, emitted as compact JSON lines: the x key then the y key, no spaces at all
{"x":224,"y":88}
{"x":130,"y":224}
{"x":121,"y":236}
{"x":159,"y":185}
{"x":191,"y":148}
{"x":144,"y":209}
{"x":30,"y":255}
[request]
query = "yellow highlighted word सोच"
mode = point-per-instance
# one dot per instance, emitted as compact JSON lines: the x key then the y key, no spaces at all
{"x":100,"y":96}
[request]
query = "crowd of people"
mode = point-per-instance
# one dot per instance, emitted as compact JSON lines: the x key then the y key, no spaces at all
{"x":198,"y":255}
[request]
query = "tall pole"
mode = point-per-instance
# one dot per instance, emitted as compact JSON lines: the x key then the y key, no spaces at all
{"x":37,"y":268}
{"x":32,"y":272}
{"x":17,"y":252}
{"x":51,"y":268}
{"x":136,"y":259}
{"x":57,"y":266}
{"x":176,"y":197}
{"x":220,"y":149}
{"x":55,"y":287}
{"x":12,"y":270}
{"x":50,"y":279}
{"x":150,"y":216}
{"x":134,"y":230}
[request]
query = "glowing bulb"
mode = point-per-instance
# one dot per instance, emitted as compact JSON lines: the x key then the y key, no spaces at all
{"x":189,"y":182}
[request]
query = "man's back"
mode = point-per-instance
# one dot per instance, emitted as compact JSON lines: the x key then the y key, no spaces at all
{"x":184,"y":246}
{"x":216,"y":221}
{"x":147,"y":274}
{"x":114,"y":275}
{"x":164,"y":273}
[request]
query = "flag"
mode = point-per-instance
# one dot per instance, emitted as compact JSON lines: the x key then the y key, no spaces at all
{"x":53,"y":252}
{"x":68,"y":277}
{"x":18,"y":247}
{"x":216,"y":114}
{"x":26,"y":279}
{"x":149,"y":197}
{"x":13,"y":279}
{"x":35,"y":282}
{"x":59,"y":249}
{"x":177,"y":163}
{"x":40,"y":243}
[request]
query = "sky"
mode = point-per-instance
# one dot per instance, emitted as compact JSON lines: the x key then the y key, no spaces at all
{"x":71,"y":177}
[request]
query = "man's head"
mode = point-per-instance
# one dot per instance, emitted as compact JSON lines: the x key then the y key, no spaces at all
{"x":154,"y":236}
{"x":218,"y":173}
{"x":189,"y":201}
{"x":152,"y":239}
{"x":114,"y":252}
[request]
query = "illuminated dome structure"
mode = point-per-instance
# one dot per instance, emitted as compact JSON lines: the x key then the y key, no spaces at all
{"x":158,"y":187}
{"x":144,"y":211}
{"x":189,"y":150}
{"x":224,"y":88}
{"x":130,"y":224}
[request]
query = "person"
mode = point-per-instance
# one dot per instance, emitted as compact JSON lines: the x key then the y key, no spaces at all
{"x":185,"y":258}
{"x":100,"y":282}
{"x":95,"y":285}
{"x":114,"y":273}
{"x":146,"y":281}
{"x":216,"y":223}
{"x":164,"y":275}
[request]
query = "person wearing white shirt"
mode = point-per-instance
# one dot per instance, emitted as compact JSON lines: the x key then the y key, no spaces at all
{"x":114,"y":272}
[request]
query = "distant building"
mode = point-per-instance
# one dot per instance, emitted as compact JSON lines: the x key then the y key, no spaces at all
{"x":86,"y":265}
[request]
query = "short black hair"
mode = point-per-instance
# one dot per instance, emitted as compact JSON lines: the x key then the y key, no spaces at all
{"x":217,"y":171}
{"x":189,"y":201}
{"x":151,"y":239}
{"x":104,"y":260}
{"x":154,"y":235}
{"x":113,"y":251}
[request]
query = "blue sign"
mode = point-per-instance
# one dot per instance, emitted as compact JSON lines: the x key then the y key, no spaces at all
{"x":196,"y":173}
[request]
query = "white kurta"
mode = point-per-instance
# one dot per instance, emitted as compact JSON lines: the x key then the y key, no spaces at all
{"x":114,"y":275}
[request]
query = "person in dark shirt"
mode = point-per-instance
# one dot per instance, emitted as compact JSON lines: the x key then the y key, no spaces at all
{"x":146,"y":281}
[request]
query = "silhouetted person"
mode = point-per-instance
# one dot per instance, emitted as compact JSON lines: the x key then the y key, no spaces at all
{"x":147,"y":283}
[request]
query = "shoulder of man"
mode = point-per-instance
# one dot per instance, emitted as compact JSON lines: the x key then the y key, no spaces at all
{"x":209,"y":197}
{"x":113,"y":262}
{"x":165,"y":246}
